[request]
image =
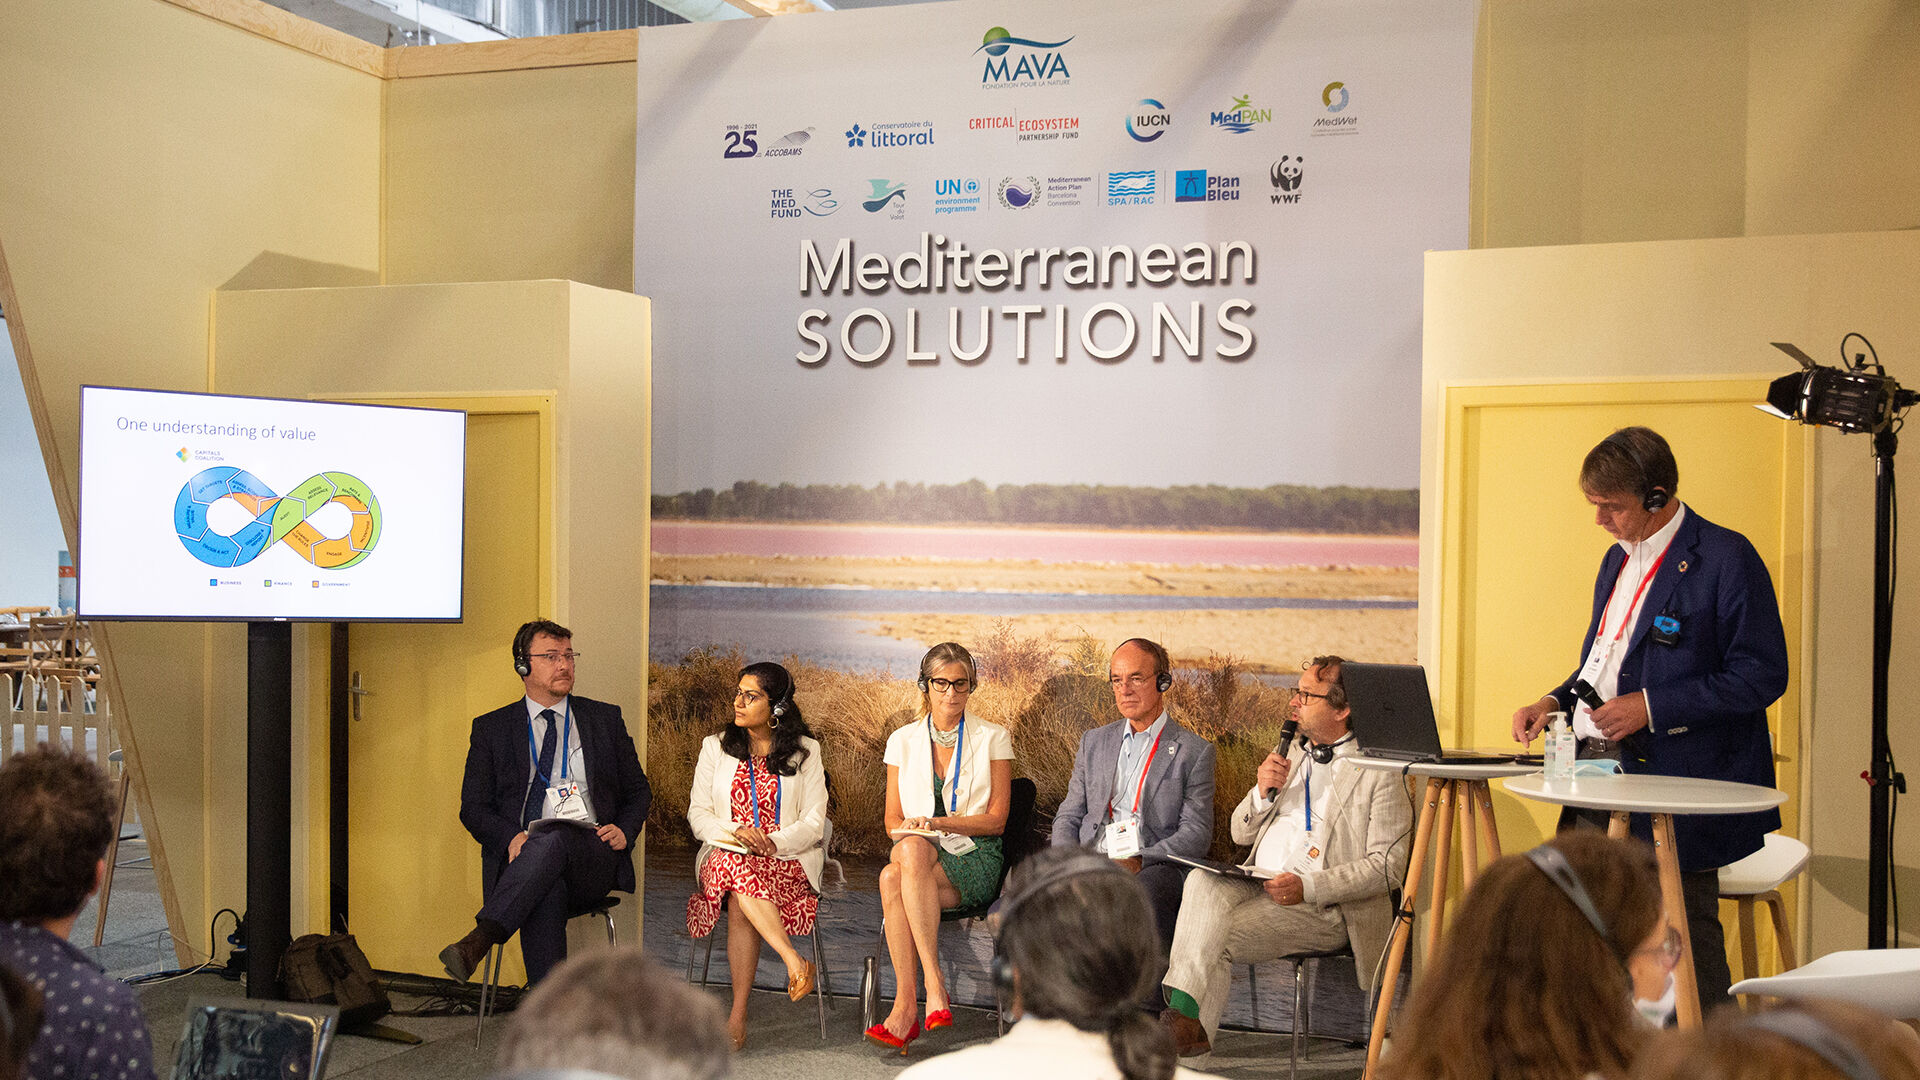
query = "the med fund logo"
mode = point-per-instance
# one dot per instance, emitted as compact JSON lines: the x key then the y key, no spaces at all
{"x":1241,"y":118}
{"x":1015,"y":61}
{"x":890,"y":136}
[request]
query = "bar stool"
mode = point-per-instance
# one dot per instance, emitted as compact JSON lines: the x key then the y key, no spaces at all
{"x":1757,"y":879}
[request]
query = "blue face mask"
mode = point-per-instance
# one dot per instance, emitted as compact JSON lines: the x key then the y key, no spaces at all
{"x":1657,"y":1014}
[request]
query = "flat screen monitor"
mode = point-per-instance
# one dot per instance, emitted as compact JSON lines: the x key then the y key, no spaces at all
{"x":210,"y":507}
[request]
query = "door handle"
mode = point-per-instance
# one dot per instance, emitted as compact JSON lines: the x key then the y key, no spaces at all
{"x":354,"y":693}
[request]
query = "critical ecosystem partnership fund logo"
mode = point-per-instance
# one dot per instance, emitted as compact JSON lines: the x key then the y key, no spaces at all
{"x":1014,"y":61}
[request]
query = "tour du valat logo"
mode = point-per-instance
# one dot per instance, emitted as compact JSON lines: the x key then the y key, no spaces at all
{"x":1148,"y":120}
{"x":1241,"y":118}
{"x":1014,"y":61}
{"x":889,"y":197}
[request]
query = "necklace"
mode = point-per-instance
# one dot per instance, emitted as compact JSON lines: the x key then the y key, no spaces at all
{"x":948,"y":739}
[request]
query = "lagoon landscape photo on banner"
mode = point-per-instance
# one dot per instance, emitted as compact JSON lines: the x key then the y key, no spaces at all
{"x":1035,"y":327}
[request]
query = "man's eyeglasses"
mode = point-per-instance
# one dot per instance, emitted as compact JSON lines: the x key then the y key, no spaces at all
{"x":958,"y":686}
{"x":1299,"y":693}
{"x":568,"y":657}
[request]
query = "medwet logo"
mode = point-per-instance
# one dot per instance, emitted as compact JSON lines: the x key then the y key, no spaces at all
{"x":1013,"y":61}
{"x":1139,"y":188}
{"x":1240,"y":119}
{"x":1337,"y":121}
{"x":1286,"y":175}
{"x":1148,"y":120}
{"x":1019,"y":192}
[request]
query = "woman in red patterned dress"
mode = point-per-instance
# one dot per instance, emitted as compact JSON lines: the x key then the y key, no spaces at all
{"x":759,"y":809}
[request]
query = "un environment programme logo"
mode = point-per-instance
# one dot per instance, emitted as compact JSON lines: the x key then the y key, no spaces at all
{"x":1240,"y":119}
{"x":1138,"y":188}
{"x":1148,"y":120}
{"x":1335,"y":97}
{"x":276,"y":518}
{"x":1286,"y":175}
{"x":1019,"y":192}
{"x":1037,"y":63}
{"x":956,"y":195}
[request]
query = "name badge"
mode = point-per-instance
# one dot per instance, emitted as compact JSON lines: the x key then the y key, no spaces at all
{"x":955,"y":844}
{"x":567,"y":800}
{"x":1312,"y":856}
{"x":1591,"y":671}
{"x":1123,"y":838}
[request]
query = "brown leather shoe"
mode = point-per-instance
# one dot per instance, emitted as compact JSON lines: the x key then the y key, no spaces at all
{"x":463,"y":956}
{"x":1189,"y":1036}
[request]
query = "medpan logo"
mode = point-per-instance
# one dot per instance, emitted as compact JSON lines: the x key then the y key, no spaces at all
{"x":1013,"y":61}
{"x":1241,"y":118}
{"x":1286,"y":175}
{"x":1148,"y":120}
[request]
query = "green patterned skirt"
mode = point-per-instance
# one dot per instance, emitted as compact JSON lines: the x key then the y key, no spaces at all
{"x":975,"y":875}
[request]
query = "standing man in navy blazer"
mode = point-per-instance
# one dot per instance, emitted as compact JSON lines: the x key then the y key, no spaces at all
{"x":1142,"y":786}
{"x":1685,"y":651}
{"x":550,"y":754}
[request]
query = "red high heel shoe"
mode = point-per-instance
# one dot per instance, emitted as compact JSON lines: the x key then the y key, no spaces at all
{"x":940,"y":1018}
{"x":878,"y":1033}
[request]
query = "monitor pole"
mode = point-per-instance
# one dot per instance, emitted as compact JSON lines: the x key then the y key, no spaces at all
{"x":269,"y":803}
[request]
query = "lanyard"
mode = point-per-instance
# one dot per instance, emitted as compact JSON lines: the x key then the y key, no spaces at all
{"x":1142,"y":786}
{"x":753,"y":794}
{"x":565,"y":736}
{"x":1307,"y":778}
{"x":953,"y":770}
{"x":1632,"y":605}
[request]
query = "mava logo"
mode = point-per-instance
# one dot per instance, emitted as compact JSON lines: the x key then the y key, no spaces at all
{"x":1241,"y":118}
{"x":820,"y":202}
{"x":1334,"y":97}
{"x":1286,"y":175}
{"x":885,"y":192}
{"x":1019,"y":192}
{"x":1148,"y":120}
{"x":1037,"y":61}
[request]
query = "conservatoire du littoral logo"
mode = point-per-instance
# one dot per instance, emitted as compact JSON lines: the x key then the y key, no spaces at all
{"x":1013,"y":61}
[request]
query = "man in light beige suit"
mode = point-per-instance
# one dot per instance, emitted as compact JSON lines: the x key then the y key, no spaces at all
{"x":1334,"y":838}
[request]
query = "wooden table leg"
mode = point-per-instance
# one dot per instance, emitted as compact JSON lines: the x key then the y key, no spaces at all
{"x":1686,"y":990}
{"x":1442,"y":860}
{"x":1402,"y":925}
{"x":1617,"y":825}
{"x":1469,"y":833}
{"x":1490,"y":844}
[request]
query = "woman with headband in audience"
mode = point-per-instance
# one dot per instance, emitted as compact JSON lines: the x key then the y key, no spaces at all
{"x":949,"y":784}
{"x":1799,"y":1040}
{"x":1552,"y":969}
{"x":758,"y":806}
{"x":1070,"y":965}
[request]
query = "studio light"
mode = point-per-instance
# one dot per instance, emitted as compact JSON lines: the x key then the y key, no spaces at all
{"x":1852,"y":400}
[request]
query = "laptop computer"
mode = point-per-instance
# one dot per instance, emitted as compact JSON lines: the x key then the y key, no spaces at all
{"x":1393,"y":717}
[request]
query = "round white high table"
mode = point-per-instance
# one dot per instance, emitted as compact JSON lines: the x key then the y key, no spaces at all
{"x":1451,"y":790}
{"x":1662,"y":797}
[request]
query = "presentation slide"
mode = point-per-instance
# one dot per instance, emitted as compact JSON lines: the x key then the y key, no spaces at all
{"x":201,"y":506}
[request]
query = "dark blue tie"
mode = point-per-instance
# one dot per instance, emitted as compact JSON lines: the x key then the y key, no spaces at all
{"x":537,"y":791}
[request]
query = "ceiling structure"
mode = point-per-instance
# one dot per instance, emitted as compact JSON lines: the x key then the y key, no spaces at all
{"x":390,"y":23}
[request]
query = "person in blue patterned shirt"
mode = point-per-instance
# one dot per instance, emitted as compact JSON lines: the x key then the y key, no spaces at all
{"x":56,"y":820}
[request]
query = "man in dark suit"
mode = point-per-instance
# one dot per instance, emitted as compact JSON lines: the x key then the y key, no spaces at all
{"x":550,"y":755}
{"x":1146,"y":774}
{"x":1685,"y":651}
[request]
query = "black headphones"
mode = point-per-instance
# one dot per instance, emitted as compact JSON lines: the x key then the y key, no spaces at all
{"x":1817,"y":1036}
{"x":780,"y":707}
{"x":1322,"y":754}
{"x":1163,"y":682}
{"x":522,"y":639}
{"x":1652,"y":499}
{"x":1002,"y":967}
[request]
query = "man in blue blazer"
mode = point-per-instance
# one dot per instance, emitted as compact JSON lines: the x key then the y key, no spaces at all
{"x":1685,"y":650}
{"x":1142,"y":786}
{"x":552,"y":754}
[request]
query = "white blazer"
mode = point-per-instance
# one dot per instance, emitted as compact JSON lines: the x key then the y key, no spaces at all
{"x":801,"y":834}
{"x":907,"y":749}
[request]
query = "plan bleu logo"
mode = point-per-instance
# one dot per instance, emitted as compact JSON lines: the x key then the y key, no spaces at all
{"x":1148,"y":120}
{"x":1013,"y":61}
{"x":1241,"y":118}
{"x":1196,"y":185}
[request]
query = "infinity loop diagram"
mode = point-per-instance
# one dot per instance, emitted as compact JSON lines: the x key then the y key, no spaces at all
{"x":276,"y":518}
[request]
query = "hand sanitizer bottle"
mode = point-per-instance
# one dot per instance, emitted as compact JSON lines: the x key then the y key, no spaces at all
{"x":1561,"y":749}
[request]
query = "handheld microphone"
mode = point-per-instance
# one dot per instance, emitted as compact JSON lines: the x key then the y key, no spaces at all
{"x":1288,"y":729}
{"x":1585,"y":692}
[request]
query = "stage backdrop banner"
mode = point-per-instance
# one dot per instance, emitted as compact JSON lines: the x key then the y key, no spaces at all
{"x":1036,"y":326}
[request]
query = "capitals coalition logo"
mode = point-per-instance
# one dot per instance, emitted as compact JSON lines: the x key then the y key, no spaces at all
{"x":1138,"y":188}
{"x":1013,"y":61}
{"x":1286,"y":175}
{"x":1241,"y":118}
{"x":891,"y":136}
{"x":887,"y":193}
{"x":1148,"y":120}
{"x":1335,"y":97}
{"x":181,"y":453}
{"x":1195,"y":185}
{"x":1019,"y":192}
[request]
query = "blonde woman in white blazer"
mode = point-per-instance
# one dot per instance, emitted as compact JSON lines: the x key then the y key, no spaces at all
{"x":758,"y":806}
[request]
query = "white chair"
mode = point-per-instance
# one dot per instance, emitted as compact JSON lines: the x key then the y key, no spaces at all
{"x":1883,"y":979}
{"x":1757,"y":879}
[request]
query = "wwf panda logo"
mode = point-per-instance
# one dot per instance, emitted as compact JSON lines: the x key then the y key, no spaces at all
{"x":1287,"y":172}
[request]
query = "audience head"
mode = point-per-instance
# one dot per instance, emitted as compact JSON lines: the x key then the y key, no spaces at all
{"x":56,"y":820}
{"x":1525,"y":985}
{"x":1320,"y":701}
{"x":1070,"y":944}
{"x":947,"y":678}
{"x":543,"y":658}
{"x":1807,"y":1040}
{"x":19,"y":1023}
{"x":617,"y":1012}
{"x":1140,"y":674}
{"x":763,"y":701}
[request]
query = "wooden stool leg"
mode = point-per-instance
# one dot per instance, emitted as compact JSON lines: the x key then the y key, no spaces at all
{"x":1749,"y":946}
{"x":1490,"y":842}
{"x":113,"y":856}
{"x":1686,"y":989}
{"x":1403,"y":925}
{"x":1469,"y":833}
{"x":1782,"y":934}
{"x":1617,"y":825}
{"x":1442,"y":858}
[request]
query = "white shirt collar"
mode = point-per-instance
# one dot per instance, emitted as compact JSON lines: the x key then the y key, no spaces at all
{"x":534,"y":708}
{"x":1654,"y":545}
{"x":1152,"y":732}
